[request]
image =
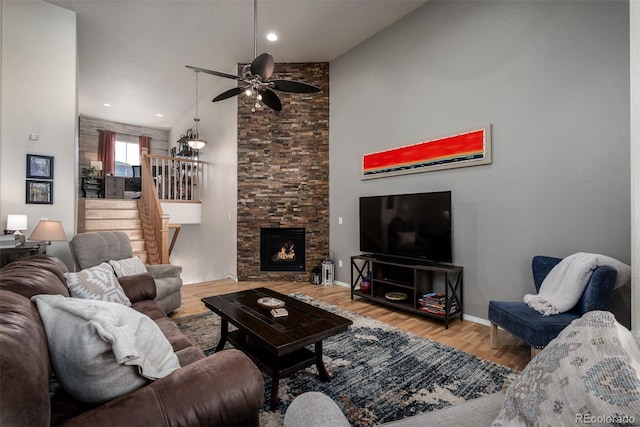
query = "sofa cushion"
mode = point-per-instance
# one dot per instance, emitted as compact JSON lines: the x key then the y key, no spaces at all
{"x":91,"y":249}
{"x":128,"y":266}
{"x":24,"y":368}
{"x":98,"y":283}
{"x":591,"y":369}
{"x":38,"y":274}
{"x":139,"y":287}
{"x":101,"y":350}
{"x":519,"y":319}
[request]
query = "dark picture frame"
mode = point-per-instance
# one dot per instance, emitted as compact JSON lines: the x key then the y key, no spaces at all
{"x":39,"y":192}
{"x":40,"y":167}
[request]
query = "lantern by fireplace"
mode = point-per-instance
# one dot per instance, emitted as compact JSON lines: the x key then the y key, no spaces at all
{"x":327,"y":272}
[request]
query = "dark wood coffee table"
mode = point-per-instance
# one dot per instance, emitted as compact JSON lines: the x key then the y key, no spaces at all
{"x":276,"y":345}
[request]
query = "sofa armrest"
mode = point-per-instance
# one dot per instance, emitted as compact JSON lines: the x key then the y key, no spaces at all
{"x":314,"y":409}
{"x":159,"y":271}
{"x":224,"y":389}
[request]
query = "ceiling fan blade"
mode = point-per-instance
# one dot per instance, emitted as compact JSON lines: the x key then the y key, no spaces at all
{"x":270,"y":99}
{"x":263,"y":66}
{"x":215,"y":73}
{"x":229,"y":93}
{"x":294,"y":86}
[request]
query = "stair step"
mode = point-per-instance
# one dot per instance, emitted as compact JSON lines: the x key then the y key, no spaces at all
{"x":142,"y":255}
{"x":137,"y":245}
{"x":111,"y":224}
{"x":134,"y":234}
{"x":110,"y":204}
{"x":111,"y":214}
{"x":120,"y":215}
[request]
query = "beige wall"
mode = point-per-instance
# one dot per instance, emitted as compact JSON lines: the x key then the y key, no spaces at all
{"x":39,"y":96}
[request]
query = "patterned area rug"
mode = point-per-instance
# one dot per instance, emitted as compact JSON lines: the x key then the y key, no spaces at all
{"x":378,"y":372}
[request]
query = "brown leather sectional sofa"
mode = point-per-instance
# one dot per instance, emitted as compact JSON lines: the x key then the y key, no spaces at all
{"x":225,"y":388}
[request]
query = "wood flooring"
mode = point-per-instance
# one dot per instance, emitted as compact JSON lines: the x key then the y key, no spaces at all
{"x":464,"y":335}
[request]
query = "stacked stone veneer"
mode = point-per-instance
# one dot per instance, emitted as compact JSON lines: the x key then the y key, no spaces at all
{"x":283,"y":171}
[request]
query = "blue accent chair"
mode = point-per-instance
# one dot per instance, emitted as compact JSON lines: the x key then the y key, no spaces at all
{"x":517,"y":318}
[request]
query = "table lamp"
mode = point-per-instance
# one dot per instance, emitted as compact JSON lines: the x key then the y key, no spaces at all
{"x":15,"y":225}
{"x":98,"y":165}
{"x":48,"y":231}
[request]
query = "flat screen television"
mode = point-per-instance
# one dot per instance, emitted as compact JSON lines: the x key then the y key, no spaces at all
{"x":414,"y":226}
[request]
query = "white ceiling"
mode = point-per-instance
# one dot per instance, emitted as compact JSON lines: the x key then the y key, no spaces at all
{"x":132,"y":54}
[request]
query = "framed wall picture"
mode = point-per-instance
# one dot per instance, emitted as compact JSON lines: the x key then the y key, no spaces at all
{"x":465,"y":148}
{"x":39,"y":192}
{"x":39,"y":167}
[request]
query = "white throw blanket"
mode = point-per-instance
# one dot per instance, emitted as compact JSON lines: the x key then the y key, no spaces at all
{"x":101,"y":350}
{"x":565,"y":283}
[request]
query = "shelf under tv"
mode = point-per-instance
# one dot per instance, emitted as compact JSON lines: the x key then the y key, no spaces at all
{"x":414,"y":279}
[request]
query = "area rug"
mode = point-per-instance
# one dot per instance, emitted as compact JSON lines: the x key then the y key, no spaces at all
{"x":378,"y":373}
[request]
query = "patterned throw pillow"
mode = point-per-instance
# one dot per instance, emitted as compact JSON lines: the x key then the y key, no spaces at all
{"x":97,"y":283}
{"x":589,"y":374}
{"x":128,"y":266}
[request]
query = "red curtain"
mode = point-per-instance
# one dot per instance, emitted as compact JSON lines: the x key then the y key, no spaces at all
{"x":107,"y":151}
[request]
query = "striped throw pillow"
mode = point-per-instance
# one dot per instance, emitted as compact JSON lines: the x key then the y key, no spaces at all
{"x":128,"y":266}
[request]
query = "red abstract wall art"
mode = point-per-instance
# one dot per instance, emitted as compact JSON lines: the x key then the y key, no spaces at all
{"x":467,"y":148}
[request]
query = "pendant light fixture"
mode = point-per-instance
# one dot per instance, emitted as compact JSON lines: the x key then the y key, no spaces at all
{"x":195,"y":141}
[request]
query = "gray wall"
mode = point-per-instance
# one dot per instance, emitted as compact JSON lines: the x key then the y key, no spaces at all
{"x":553,"y":80}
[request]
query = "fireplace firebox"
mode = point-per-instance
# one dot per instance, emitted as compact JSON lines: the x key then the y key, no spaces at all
{"x":282,"y":249}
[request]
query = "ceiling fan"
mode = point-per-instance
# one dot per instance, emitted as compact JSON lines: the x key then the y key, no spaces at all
{"x":255,"y":78}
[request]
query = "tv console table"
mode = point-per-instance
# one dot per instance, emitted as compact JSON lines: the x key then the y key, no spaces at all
{"x":390,"y":279}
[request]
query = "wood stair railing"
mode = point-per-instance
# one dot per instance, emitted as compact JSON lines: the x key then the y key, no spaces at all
{"x":157,"y":227}
{"x":153,"y":255}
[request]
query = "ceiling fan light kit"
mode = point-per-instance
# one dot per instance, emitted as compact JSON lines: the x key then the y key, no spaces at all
{"x":255,"y":78}
{"x":195,"y":141}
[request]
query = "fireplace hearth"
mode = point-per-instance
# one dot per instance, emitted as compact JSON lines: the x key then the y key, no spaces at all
{"x":282,"y":249}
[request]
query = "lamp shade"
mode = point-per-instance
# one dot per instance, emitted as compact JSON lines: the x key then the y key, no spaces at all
{"x":48,"y":231}
{"x":97,"y":164}
{"x":16,"y":222}
{"x":197,"y":144}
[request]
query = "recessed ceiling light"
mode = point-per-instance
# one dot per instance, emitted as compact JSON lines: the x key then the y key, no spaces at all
{"x":159,"y":115}
{"x":272,"y":37}
{"x":107,"y":105}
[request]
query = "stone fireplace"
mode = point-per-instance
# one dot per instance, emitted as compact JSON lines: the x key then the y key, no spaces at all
{"x":283,"y":173}
{"x":282,"y":249}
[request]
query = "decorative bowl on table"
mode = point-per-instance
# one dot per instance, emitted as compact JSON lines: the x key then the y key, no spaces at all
{"x":270,"y":303}
{"x":395,"y":296}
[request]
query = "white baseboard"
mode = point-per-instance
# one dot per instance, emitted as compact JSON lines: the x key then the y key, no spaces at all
{"x":475,"y":319}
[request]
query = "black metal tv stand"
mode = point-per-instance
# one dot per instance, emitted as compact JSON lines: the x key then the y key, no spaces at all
{"x":391,"y":278}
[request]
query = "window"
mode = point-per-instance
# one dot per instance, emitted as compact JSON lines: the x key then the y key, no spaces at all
{"x":127,"y":155}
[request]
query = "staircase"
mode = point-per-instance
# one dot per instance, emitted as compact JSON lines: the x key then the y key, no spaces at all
{"x":115,"y":215}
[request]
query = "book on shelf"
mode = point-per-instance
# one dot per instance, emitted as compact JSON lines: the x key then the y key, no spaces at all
{"x":436,"y":303}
